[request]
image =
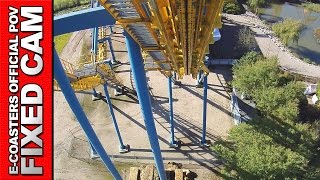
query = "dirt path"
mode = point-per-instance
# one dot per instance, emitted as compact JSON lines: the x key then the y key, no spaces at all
{"x":271,"y":47}
{"x":72,"y":50}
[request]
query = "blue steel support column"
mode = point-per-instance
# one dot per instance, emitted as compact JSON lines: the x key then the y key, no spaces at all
{"x":115,"y":124}
{"x":94,"y":92}
{"x":76,"y":108}
{"x":204,"y":113}
{"x":95,"y":40}
{"x":137,"y":67}
{"x":95,"y":95}
{"x":92,"y":31}
{"x":111,"y":50}
{"x":198,"y":79}
{"x":111,"y":30}
{"x":94,"y":153}
{"x":172,"y":141}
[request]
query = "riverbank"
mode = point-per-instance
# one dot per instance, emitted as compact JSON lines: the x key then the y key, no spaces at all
{"x":305,"y":46}
{"x":272,"y":46}
{"x":312,"y":6}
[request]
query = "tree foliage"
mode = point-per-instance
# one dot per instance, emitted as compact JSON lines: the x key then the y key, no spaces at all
{"x":246,"y":41}
{"x":249,"y":58}
{"x":267,"y":149}
{"x":231,"y":7}
{"x":270,"y":151}
{"x":275,"y":145}
{"x":255,"y":4}
{"x":281,"y":102}
{"x":312,"y":6}
{"x":251,"y":75}
{"x":272,"y":91}
{"x":288,"y":31}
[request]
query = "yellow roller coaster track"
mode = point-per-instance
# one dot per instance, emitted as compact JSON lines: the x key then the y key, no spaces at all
{"x":175,"y":33}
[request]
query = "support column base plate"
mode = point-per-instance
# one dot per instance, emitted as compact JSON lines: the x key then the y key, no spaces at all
{"x":207,"y":143}
{"x":97,"y":97}
{"x":124,"y":149}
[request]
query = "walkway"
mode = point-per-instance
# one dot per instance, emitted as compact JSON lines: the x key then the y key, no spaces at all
{"x":271,"y":46}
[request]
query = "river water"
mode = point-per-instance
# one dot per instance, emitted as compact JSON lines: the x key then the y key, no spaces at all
{"x":307,"y":46}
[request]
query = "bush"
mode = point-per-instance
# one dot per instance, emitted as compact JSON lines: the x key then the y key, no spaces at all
{"x":280,"y":102}
{"x":246,"y":41}
{"x":267,"y":149}
{"x":255,"y":4}
{"x":288,"y":31}
{"x":275,"y":145}
{"x":249,"y":77}
{"x":249,"y":58}
{"x":232,"y":7}
{"x":312,"y":6}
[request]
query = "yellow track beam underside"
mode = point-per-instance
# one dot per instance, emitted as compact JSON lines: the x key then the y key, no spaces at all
{"x":181,"y":28}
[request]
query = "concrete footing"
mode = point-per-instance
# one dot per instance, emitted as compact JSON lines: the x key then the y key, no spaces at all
{"x":96,"y":96}
{"x":124,"y":149}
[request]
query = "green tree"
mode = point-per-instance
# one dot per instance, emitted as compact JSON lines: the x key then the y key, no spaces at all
{"x":252,"y":76}
{"x":231,"y":7}
{"x":288,"y":31}
{"x":246,"y":41}
{"x":255,"y":4}
{"x":275,"y":145}
{"x":251,"y":153}
{"x":249,"y":58}
{"x":281,"y":102}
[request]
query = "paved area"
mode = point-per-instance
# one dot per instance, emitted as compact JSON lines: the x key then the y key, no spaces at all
{"x":71,"y":154}
{"x":270,"y":46}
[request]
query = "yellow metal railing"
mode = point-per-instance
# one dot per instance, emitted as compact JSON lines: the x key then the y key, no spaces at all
{"x":92,"y":80}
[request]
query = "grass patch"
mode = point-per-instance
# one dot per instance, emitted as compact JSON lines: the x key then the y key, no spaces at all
{"x":60,"y":5}
{"x":312,"y":6}
{"x":85,"y":52}
{"x":73,"y":9}
{"x":61,"y":41}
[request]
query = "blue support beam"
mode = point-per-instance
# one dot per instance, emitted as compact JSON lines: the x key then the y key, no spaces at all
{"x":76,"y":108}
{"x":92,"y":31}
{"x":94,"y":153}
{"x":139,"y":75}
{"x":198,"y":77}
{"x":71,"y":22}
{"x":111,"y":30}
{"x":95,"y":40}
{"x":95,"y":94}
{"x":204,"y":113}
{"x":123,"y":148}
{"x":113,"y":60}
{"x":173,"y":143}
{"x":91,"y":3}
